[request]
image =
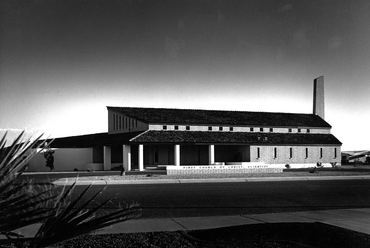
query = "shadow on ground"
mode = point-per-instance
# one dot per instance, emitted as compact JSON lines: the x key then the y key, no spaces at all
{"x":277,"y":235}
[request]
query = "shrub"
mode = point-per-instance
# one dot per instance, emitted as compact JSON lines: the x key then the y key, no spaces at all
{"x":23,"y":204}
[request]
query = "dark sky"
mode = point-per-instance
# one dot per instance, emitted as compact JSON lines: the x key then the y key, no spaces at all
{"x":62,"y":62}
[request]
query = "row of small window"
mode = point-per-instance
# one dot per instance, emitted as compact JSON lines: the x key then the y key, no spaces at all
{"x":251,"y":129}
{"x":291,"y":152}
{"x":121,"y":122}
{"x":187,"y":128}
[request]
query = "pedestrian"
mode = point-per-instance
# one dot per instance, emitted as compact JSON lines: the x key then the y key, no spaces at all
{"x":48,"y":155}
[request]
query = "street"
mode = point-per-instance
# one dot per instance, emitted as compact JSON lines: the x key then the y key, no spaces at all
{"x":212,"y":199}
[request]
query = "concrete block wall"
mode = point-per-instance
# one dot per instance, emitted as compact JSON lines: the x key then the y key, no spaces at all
{"x":283,"y":154}
{"x":222,"y":171}
{"x":322,"y":131}
{"x":204,"y":128}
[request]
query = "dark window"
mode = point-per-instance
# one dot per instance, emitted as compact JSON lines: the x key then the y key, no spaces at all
{"x":156,"y":154}
{"x":231,"y":129}
{"x":271,"y":129}
{"x":335,"y":152}
{"x":291,"y":153}
{"x":114,"y":122}
{"x":117,"y":119}
{"x":299,"y":130}
{"x":220,"y":128}
{"x":290,"y":130}
{"x":308,"y":130}
{"x":275,"y":152}
{"x":261,"y":129}
{"x":320,"y":152}
{"x":164,"y":127}
{"x":176,"y":127}
{"x":258,"y":152}
{"x":187,"y":128}
{"x":306,"y":152}
{"x":251,"y":129}
{"x":209,"y":128}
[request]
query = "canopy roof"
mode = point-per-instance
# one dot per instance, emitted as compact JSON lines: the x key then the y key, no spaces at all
{"x":194,"y":137}
{"x":236,"y":137}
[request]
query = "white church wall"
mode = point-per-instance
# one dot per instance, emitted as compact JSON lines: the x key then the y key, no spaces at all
{"x":65,"y":159}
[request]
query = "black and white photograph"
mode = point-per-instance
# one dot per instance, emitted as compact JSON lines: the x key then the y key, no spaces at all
{"x":184,"y":123}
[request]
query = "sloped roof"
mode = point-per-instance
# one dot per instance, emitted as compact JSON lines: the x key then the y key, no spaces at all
{"x":236,"y":137}
{"x":220,"y":117}
{"x":191,"y":137}
{"x":91,"y":140}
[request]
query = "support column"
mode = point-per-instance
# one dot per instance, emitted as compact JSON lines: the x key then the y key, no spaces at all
{"x":127,"y":157}
{"x":211,"y":154}
{"x":107,"y":158}
{"x":141,"y":157}
{"x":177,"y":155}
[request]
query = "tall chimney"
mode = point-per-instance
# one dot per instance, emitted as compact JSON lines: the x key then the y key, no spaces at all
{"x":318,"y":97}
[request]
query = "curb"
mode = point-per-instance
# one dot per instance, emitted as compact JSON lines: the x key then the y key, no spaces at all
{"x":212,"y":180}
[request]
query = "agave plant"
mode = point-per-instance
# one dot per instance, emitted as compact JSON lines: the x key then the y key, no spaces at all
{"x":23,"y":204}
{"x":70,"y":221}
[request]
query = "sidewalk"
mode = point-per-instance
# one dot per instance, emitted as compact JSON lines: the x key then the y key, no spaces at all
{"x":353,"y":219}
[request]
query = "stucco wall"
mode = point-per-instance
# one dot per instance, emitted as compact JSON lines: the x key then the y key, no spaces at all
{"x":65,"y":159}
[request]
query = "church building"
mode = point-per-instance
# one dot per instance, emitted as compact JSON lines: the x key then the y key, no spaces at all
{"x":141,"y":138}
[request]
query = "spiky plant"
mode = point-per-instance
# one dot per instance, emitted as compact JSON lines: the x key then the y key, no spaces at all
{"x":70,"y":220}
{"x":23,"y":204}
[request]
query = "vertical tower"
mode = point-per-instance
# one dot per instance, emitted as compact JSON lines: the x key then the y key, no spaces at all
{"x":318,"y":97}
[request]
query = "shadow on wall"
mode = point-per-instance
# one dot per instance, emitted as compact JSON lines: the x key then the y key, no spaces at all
{"x":65,"y":159}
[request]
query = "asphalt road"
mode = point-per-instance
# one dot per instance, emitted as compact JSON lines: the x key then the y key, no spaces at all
{"x":212,"y":199}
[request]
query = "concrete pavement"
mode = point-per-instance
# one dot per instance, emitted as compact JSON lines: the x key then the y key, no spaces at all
{"x":352,"y":219}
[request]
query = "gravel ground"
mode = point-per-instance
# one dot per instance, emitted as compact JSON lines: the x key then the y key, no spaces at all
{"x":278,"y":235}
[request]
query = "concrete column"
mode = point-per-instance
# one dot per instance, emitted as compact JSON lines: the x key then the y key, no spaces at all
{"x":107,"y":158}
{"x":141,"y":157}
{"x":127,"y":157}
{"x":177,"y":155}
{"x":211,"y":154}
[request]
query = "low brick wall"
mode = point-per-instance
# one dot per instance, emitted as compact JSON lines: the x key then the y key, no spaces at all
{"x":222,"y":169}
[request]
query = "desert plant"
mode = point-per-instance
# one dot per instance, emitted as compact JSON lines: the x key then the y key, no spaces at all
{"x":20,"y":204}
{"x":23,"y":204}
{"x":70,"y":221}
